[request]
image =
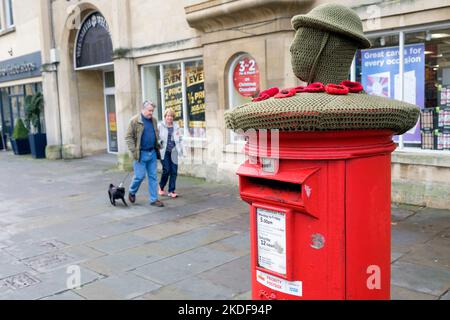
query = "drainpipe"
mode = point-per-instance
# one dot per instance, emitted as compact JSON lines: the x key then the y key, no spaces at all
{"x":52,"y":35}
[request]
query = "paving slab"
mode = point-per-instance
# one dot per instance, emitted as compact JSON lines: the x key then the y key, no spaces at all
{"x":197,"y":247}
{"x":117,"y":243}
{"x":430,"y":280}
{"x":191,"y":289}
{"x":65,"y":296}
{"x":118,"y":287}
{"x":399,"y":293}
{"x":119,"y":263}
{"x":48,"y":284}
{"x":184,"y":265}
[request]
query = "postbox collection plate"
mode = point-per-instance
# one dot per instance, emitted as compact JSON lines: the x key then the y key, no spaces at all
{"x":271,"y":226}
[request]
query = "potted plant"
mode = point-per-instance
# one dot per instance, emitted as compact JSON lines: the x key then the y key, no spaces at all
{"x":19,"y":140}
{"x":34,"y":106}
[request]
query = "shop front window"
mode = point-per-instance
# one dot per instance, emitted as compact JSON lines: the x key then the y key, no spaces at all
{"x":173,"y":91}
{"x":181,"y":87}
{"x":195,"y":94}
{"x":435,"y":124}
{"x":243,"y":84}
{"x":426,"y":80}
{"x":152,"y":88}
{"x":8,"y":5}
{"x":7,"y":124}
{"x":12,"y":106}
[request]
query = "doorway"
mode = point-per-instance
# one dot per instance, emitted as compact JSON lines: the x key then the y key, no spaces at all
{"x":110,"y":111}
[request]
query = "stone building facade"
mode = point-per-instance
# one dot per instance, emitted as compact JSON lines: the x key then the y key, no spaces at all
{"x":100,"y":59}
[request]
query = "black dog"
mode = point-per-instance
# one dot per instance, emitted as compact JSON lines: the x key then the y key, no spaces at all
{"x":116,"y":193}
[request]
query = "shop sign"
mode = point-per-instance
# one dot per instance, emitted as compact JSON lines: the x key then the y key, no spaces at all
{"x":93,"y":43}
{"x":23,"y":67}
{"x":381,"y":77}
{"x":195,"y":91}
{"x":173,"y":91}
{"x":246,"y":77}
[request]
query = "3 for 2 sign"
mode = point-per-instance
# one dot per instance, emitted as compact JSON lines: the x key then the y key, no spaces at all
{"x":246,"y":77}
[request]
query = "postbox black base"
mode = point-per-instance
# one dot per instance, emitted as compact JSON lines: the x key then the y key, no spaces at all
{"x":38,"y":143}
{"x":21,"y":146}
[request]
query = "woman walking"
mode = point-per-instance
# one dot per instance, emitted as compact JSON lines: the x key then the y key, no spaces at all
{"x":170,"y":140}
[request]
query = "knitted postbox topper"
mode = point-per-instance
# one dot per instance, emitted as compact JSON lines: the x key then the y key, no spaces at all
{"x":322,"y":51}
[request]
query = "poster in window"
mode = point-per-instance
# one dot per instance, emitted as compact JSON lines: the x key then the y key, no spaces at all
{"x":173,"y":91}
{"x":380,"y":76}
{"x":246,"y":77}
{"x":195,"y":93}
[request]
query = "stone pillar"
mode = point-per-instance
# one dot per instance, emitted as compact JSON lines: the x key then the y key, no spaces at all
{"x":127,"y":78}
{"x":69,"y":104}
{"x":127,"y":105}
{"x":49,"y":84}
{"x":52,"y":115}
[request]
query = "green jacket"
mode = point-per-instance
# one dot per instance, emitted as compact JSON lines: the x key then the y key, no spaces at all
{"x":134,"y":136}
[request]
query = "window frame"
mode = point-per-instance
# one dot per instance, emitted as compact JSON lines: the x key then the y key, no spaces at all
{"x":161,"y":66}
{"x":2,"y":18}
{"x":8,"y":10}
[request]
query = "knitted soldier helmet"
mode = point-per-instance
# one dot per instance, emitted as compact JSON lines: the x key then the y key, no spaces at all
{"x":322,"y":51}
{"x":325,"y":43}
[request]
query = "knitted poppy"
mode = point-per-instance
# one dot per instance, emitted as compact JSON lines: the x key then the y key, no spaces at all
{"x":336,"y":89}
{"x":315,"y":87}
{"x":353,"y":87}
{"x":300,"y":89}
{"x":266,"y":94}
{"x":261,"y":97}
{"x":286,"y":93}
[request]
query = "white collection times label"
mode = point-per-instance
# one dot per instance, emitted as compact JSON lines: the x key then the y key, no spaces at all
{"x":271,"y":229}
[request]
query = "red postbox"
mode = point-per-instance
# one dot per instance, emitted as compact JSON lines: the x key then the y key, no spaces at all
{"x":318,"y":175}
{"x":320,"y":215}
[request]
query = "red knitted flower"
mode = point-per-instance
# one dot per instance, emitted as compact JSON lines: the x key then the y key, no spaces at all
{"x":315,"y":87}
{"x":300,"y":89}
{"x":266,"y":94}
{"x":336,"y":89}
{"x":353,"y":87}
{"x":261,"y":97}
{"x":286,"y":93}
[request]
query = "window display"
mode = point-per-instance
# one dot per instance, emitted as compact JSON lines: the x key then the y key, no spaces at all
{"x":173,"y":91}
{"x":426,"y":80}
{"x":182,"y":89}
{"x":195,"y":91}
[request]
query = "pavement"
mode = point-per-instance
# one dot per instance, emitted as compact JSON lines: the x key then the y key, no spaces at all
{"x":59,"y":231}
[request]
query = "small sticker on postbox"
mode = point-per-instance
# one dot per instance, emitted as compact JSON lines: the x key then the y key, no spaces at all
{"x":268,"y":165}
{"x":294,"y":288}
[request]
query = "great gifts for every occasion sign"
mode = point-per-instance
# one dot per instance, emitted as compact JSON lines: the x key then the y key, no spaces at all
{"x":246,"y":77}
{"x":380,"y":76}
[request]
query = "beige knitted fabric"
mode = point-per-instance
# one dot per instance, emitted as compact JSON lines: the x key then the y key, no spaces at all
{"x":333,"y":63}
{"x":325,"y":43}
{"x":324,"y":112}
{"x":334,"y":18}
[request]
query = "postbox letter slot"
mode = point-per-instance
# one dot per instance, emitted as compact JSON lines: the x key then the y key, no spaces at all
{"x":276,"y":185}
{"x":274,"y":191}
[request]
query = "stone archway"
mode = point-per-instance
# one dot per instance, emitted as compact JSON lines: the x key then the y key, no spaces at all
{"x":86,"y":53}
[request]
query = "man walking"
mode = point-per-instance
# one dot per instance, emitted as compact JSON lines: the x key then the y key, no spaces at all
{"x":142,"y":141}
